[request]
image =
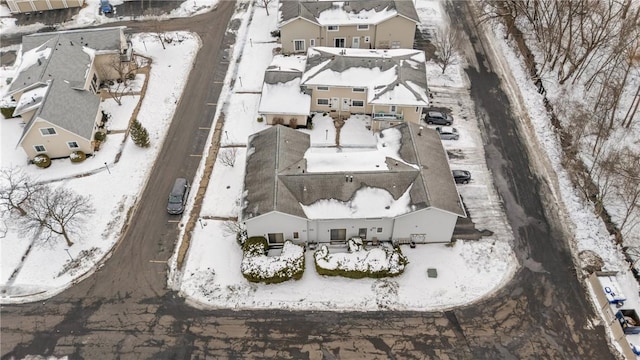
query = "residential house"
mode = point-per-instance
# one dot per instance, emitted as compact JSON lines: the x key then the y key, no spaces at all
{"x":406,"y":194}
{"x":363,"y":24}
{"x":283,"y":101}
{"x":57,"y":87}
{"x":27,"y":6}
{"x":389,"y":85}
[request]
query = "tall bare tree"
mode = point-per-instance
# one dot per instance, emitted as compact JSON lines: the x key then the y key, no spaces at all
{"x":17,"y":189}
{"x":447,"y":41}
{"x":264,"y":4}
{"x":56,"y":211}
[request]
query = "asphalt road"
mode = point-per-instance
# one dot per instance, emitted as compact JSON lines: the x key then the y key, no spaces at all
{"x":124,"y":311}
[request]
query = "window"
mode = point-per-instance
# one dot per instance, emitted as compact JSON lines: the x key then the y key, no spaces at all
{"x":39,"y":148}
{"x":392,"y":108}
{"x":379,"y":230}
{"x":312,"y":42}
{"x":338,"y":234}
{"x":276,"y":238}
{"x":295,"y":235}
{"x":333,"y":28}
{"x":357,"y":89}
{"x":322,"y":88}
{"x":357,"y":103}
{"x":367,"y":39}
{"x":323,"y":101}
{"x":298,"y":45}
{"x":72,"y":145}
{"x":48,"y":131}
{"x":395,"y":44}
{"x":339,"y":42}
{"x":362,"y":233}
{"x":363,"y":27}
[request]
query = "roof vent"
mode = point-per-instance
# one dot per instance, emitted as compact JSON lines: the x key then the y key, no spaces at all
{"x":387,"y":207}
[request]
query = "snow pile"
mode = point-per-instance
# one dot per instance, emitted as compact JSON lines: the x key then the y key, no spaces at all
{"x":367,"y":202}
{"x":359,"y":263}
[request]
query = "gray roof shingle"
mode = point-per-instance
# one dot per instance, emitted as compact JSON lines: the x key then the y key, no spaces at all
{"x":276,"y":177}
{"x":66,"y":104}
{"x":311,"y":10}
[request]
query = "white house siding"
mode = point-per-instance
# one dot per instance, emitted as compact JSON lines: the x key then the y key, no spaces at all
{"x":277,"y":222}
{"x":55,"y":145}
{"x":301,"y":120}
{"x":436,"y":226}
{"x":322,"y":228}
{"x":299,"y":29}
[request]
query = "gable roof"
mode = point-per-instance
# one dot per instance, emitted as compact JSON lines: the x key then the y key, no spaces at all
{"x":395,"y":77}
{"x":277,"y":178}
{"x":281,"y":91}
{"x":61,"y":62}
{"x":347,"y":12}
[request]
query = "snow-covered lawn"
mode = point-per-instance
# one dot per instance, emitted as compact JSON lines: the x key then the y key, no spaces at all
{"x":211,"y":276}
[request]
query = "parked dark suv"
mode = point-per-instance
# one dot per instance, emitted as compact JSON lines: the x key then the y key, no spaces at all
{"x":178,"y":196}
{"x":438,"y":118}
{"x":461,"y":176}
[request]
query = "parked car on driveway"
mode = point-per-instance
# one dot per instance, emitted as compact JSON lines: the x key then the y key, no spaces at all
{"x":448,"y":133}
{"x":438,"y":118}
{"x":461,"y":176}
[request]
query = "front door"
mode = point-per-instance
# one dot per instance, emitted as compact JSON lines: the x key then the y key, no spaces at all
{"x":345,"y":104}
{"x":335,"y":103}
{"x":355,"y":42}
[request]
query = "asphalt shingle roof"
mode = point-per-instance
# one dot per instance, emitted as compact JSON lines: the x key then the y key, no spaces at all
{"x":311,"y":10}
{"x":66,"y":104}
{"x":276,"y":178}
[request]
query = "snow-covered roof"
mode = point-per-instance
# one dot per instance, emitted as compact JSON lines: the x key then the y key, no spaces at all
{"x":415,"y":176}
{"x":363,"y":12}
{"x":31,"y":99}
{"x":393,"y":77}
{"x":281,"y":91}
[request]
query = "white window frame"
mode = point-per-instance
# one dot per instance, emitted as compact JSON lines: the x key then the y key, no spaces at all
{"x":358,"y":90}
{"x":363,"y":29}
{"x":393,"y":108}
{"x":367,"y":39}
{"x":312,"y":42}
{"x":318,"y":102}
{"x":42,"y":131}
{"x":304,"y":47}
{"x":35,"y":147}
{"x":322,"y":88}
{"x":353,"y":103}
{"x":69,"y":143}
{"x":344,"y":41}
{"x":337,"y":28}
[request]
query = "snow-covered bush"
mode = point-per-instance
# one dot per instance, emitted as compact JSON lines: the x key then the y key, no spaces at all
{"x":359,"y":262}
{"x":258,"y":267}
{"x":42,"y":160}
{"x":77,"y":156}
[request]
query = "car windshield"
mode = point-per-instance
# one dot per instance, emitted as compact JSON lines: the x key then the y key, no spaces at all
{"x":175,"y":199}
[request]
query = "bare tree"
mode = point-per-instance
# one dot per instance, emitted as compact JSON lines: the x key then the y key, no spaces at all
{"x":17,"y":189}
{"x":56,"y":212}
{"x":235,"y":228}
{"x":446,"y":41}
{"x":264,"y":4}
{"x":228,"y":156}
